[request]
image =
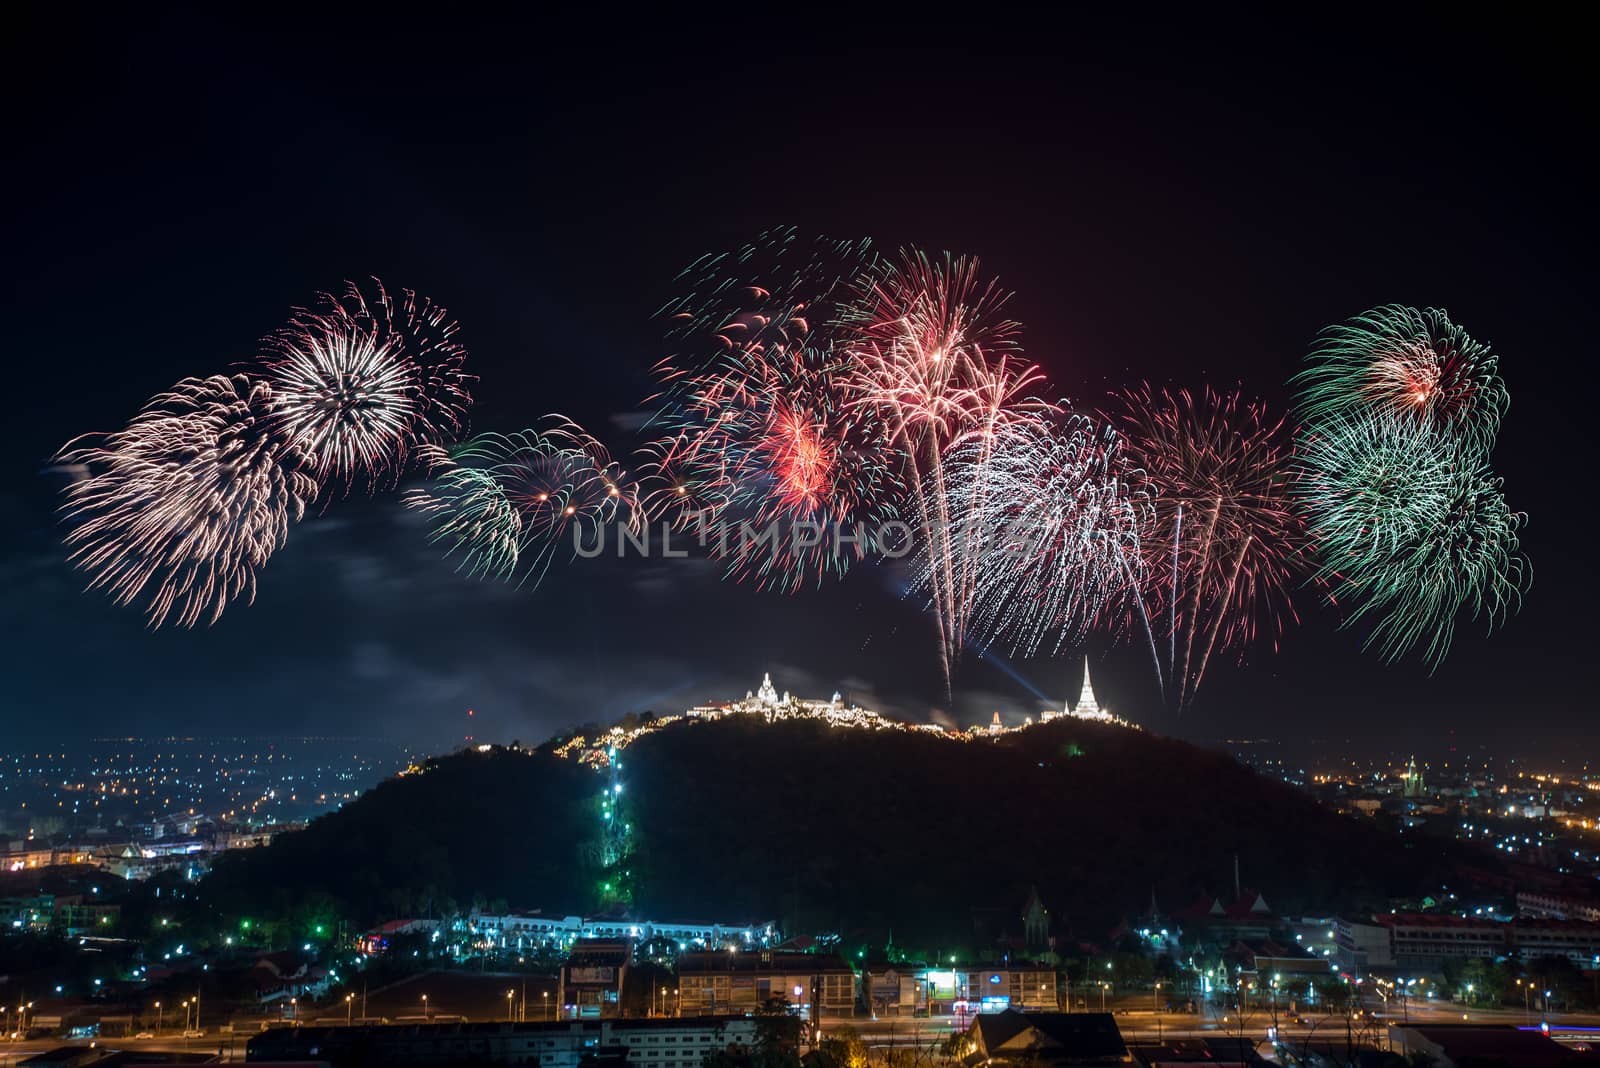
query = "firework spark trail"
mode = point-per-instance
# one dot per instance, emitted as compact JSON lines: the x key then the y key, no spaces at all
{"x":472,"y":517}
{"x":1409,"y":534}
{"x":426,"y":336}
{"x":765,"y":443}
{"x":778,"y":291}
{"x":345,"y":391}
{"x":931,"y":356}
{"x":507,"y":503}
{"x":185,"y":505}
{"x":1056,"y":510}
{"x":754,"y":435}
{"x":1409,"y":361}
{"x":1401,"y":410}
{"x":1225,"y":526}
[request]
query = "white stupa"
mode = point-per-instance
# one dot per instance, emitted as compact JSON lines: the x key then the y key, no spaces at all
{"x":1087,"y":707}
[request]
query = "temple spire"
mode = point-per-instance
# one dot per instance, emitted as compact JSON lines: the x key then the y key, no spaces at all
{"x":1087,"y":705}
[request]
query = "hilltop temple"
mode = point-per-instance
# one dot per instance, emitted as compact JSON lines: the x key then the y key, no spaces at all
{"x":767,"y":703}
{"x":1087,"y":707}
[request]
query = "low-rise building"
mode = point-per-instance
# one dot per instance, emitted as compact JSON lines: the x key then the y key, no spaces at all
{"x":590,"y":983}
{"x":75,"y":915}
{"x":1057,"y":1038}
{"x":1553,"y":906}
{"x":657,"y":1043}
{"x":1425,"y":939}
{"x":1449,"y":1045}
{"x":896,"y":990}
{"x":732,"y":982}
{"x":1030,"y":987}
{"x":518,"y":929}
{"x":1577,"y":940}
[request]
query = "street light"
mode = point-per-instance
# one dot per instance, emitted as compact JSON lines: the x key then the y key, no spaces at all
{"x":425,"y":1016}
{"x":349,"y":1007}
{"x":510,"y":1016}
{"x":547,"y":1005}
{"x":158,"y":1019}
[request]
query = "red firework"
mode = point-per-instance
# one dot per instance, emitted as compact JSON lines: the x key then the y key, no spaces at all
{"x":1226,"y":546}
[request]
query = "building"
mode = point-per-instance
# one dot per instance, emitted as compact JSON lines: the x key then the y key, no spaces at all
{"x":590,"y":981}
{"x":1450,"y":1045}
{"x":1552,"y":906}
{"x":27,"y":913}
{"x":1410,"y":940}
{"x":1425,"y":939}
{"x":1359,"y":946}
{"x":1016,"y":986}
{"x":76,"y":916}
{"x":657,"y":1043}
{"x":1577,"y":940}
{"x":514,"y":930}
{"x":1248,"y":919}
{"x":897,"y":990}
{"x":1056,"y":1038}
{"x":731,"y":982}
{"x":1214,"y":1053}
{"x":1415,"y":785}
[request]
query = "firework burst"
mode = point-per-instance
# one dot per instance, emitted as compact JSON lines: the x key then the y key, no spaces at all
{"x":1058,"y":512}
{"x":1414,"y":363}
{"x":345,"y":392}
{"x":758,"y":454}
{"x":1411,"y":534}
{"x":771,"y":470}
{"x":781,"y":291}
{"x":1402,"y":408}
{"x":1226,"y":546}
{"x":426,"y":337}
{"x":507,"y":504}
{"x":934,"y":360}
{"x":182,"y":507}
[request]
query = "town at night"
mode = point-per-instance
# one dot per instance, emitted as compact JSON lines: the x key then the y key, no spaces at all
{"x":797,"y":540}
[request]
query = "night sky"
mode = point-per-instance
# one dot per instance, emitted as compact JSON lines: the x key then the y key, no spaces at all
{"x":1183,"y":203}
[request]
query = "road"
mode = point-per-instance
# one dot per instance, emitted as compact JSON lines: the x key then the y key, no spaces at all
{"x":881,"y":1035}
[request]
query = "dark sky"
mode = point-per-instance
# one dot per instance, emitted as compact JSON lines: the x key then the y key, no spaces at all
{"x":1179,"y":202}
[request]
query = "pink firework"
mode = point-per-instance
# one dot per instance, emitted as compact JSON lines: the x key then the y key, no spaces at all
{"x":1226,"y":546}
{"x":182,"y":508}
{"x":934,"y":360}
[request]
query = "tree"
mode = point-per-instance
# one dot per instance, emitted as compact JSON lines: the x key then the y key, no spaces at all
{"x":845,"y":1048}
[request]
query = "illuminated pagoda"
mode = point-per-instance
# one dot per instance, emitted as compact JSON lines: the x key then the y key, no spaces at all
{"x":1087,"y":708}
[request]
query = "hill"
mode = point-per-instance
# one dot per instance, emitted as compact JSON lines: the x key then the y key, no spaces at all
{"x":827,"y":828}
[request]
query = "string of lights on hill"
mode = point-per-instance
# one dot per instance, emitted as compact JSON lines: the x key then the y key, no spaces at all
{"x":768,"y":705}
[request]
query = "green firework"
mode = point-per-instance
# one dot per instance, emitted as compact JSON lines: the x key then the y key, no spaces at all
{"x":1412,"y":531}
{"x":1413,"y":363}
